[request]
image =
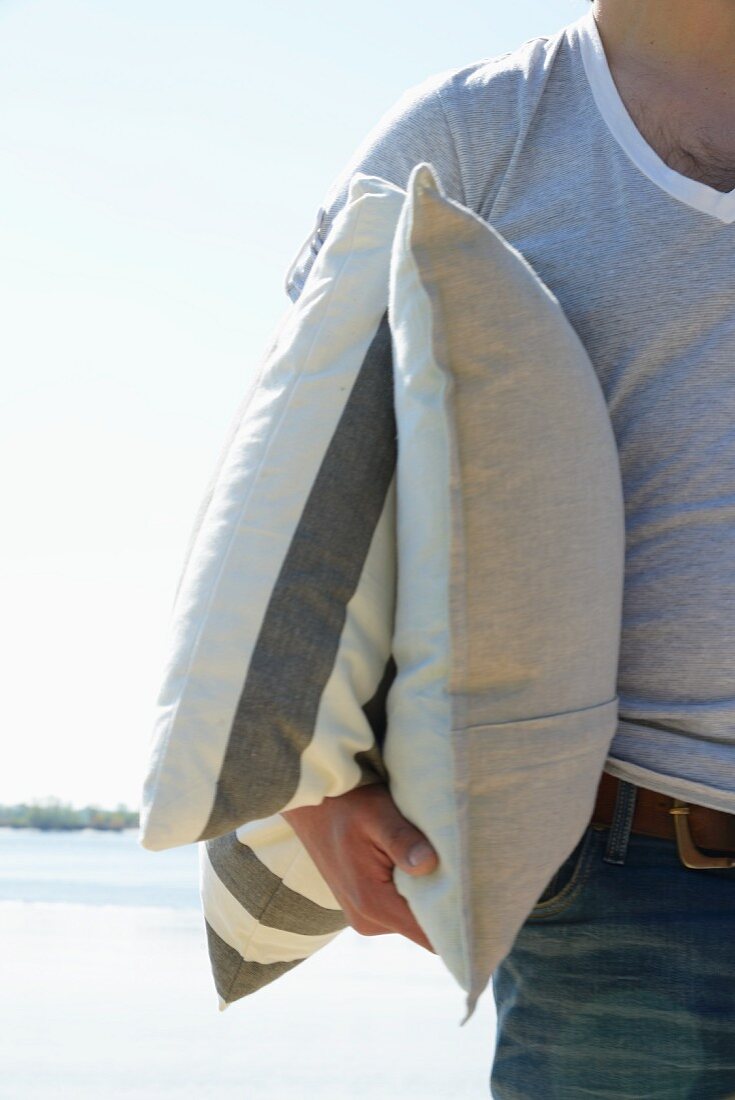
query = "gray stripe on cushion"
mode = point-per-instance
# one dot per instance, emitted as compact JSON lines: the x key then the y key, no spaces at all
{"x":233,"y":976}
{"x":292,"y":661}
{"x":264,"y":895}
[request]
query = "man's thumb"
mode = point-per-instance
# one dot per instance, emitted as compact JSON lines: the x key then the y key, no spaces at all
{"x":413,"y":853}
{"x":421,"y":858}
{"x":399,"y":838}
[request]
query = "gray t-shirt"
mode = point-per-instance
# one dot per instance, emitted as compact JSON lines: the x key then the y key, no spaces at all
{"x":642,"y":259}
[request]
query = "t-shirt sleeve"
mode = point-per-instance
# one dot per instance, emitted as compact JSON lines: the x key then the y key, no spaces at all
{"x":413,"y":130}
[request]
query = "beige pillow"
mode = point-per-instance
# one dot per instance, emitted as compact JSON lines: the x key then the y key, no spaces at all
{"x":510,"y":536}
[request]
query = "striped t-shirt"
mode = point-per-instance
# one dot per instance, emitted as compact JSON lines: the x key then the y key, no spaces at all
{"x":539,"y":143}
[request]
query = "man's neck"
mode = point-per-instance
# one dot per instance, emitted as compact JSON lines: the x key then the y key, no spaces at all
{"x":686,"y":43}
{"x":673,"y":62}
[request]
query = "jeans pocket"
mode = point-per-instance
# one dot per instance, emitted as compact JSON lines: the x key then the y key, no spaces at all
{"x":567,"y":881}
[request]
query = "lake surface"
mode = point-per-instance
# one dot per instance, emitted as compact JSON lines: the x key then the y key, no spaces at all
{"x":106,"y":992}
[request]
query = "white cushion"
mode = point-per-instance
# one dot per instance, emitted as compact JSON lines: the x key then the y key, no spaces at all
{"x":273,"y":694}
{"x":282,"y":624}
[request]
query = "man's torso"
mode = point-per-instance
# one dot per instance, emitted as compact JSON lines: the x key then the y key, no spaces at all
{"x":641,"y":257}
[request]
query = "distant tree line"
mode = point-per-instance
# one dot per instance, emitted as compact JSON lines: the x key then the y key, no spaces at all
{"x":51,"y":813}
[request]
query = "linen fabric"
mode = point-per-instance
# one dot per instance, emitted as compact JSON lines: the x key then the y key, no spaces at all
{"x":273,"y":695}
{"x":538,"y":143}
{"x":511,"y":540}
{"x":266,"y":906}
{"x":281,"y":628}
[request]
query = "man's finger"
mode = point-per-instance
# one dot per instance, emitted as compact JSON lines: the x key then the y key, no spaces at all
{"x":390,"y":912}
{"x":413,"y":930}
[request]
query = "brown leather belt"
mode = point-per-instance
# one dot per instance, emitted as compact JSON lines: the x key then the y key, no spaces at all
{"x":693,"y":827}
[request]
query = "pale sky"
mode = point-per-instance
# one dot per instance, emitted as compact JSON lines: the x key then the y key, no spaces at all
{"x":161,"y":162}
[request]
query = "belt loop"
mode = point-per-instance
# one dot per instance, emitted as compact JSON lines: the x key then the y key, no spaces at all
{"x":617,"y":841}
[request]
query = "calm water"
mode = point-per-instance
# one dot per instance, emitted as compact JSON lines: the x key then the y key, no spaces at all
{"x":106,"y":992}
{"x":95,"y":868}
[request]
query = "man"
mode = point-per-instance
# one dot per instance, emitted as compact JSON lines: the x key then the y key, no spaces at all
{"x":606,"y":155}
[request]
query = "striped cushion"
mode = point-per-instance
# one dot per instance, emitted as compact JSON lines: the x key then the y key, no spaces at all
{"x":281,"y":628}
{"x":266,"y":906}
{"x":510,"y":537}
{"x":280,"y":647}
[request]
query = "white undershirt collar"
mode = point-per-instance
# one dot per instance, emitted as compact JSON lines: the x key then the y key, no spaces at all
{"x":614,"y":113}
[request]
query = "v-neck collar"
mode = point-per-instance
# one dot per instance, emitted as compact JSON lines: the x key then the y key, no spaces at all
{"x":700,"y":196}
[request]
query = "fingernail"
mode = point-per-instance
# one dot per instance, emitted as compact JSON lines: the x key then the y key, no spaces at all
{"x":419,"y":853}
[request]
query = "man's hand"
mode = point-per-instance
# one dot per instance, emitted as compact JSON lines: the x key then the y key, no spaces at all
{"x":355,"y":840}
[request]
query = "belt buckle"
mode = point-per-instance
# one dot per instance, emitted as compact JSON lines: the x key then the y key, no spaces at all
{"x":689,"y":854}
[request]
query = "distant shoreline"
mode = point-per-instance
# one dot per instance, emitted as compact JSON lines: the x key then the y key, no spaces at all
{"x":57,"y":816}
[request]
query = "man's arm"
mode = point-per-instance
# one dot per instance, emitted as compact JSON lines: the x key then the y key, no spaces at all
{"x":413,"y":130}
{"x":355,"y":841}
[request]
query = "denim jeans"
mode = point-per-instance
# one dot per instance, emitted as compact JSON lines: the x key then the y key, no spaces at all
{"x":621,"y":982}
